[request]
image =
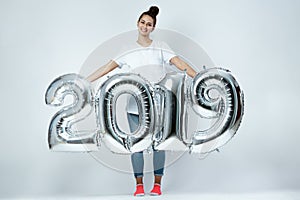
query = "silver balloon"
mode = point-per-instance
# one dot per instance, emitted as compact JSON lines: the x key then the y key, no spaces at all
{"x":164,"y":105}
{"x":106,"y":98}
{"x":170,"y":129}
{"x":63,"y":134}
{"x":216,"y":95}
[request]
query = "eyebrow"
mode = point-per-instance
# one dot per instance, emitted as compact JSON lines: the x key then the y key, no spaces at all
{"x":147,"y":22}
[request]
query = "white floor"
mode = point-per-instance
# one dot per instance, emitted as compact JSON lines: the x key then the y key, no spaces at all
{"x":275,"y":195}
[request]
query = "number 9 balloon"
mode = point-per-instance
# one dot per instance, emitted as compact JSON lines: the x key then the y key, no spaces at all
{"x":214,"y":93}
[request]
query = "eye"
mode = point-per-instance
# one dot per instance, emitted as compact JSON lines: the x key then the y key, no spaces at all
{"x":149,"y":24}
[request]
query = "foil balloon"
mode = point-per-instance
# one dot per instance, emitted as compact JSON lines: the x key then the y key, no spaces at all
{"x":141,"y":91}
{"x":169,"y":131}
{"x":216,"y":95}
{"x":169,"y":112}
{"x":63,"y":134}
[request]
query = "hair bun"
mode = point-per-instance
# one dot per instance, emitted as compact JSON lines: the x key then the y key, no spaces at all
{"x":153,"y":10}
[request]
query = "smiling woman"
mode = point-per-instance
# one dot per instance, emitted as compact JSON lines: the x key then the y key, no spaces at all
{"x":146,"y":53}
{"x":146,"y":25}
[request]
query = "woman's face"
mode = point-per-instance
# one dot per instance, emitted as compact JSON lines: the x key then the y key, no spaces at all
{"x":145,"y":25}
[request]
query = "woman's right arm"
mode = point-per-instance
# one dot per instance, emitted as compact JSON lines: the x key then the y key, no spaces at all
{"x":111,"y":65}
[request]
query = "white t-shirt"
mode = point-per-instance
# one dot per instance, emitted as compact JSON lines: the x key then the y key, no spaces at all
{"x":150,"y":62}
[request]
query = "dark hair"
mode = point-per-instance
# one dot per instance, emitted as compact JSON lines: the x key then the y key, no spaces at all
{"x":152,"y":12}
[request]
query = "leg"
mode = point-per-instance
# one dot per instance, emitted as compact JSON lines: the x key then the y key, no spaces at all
{"x":133,"y":121}
{"x":158,"y":165}
{"x":137,"y":159}
{"x":159,"y":158}
{"x":157,"y":179}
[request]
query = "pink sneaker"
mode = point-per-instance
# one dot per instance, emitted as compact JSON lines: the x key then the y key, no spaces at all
{"x":139,"y":190}
{"x":156,"y":190}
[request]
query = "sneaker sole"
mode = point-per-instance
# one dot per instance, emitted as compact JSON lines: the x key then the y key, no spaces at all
{"x":154,"y":194}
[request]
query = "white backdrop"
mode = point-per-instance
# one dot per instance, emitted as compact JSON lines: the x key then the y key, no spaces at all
{"x":258,"y":40}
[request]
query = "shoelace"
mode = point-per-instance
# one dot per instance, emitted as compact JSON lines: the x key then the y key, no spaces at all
{"x":156,"y":189}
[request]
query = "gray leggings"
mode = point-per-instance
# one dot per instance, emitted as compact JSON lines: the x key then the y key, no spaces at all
{"x":137,"y":159}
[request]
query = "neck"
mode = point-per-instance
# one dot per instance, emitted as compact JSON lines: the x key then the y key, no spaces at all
{"x":144,"y":40}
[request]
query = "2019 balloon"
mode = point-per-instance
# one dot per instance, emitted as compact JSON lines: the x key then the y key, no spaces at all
{"x":169,"y":112}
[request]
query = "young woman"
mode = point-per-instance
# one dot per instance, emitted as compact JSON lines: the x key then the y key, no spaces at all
{"x":149,"y":52}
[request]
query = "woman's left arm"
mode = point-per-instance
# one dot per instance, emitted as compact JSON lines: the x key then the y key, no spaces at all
{"x":180,"y":64}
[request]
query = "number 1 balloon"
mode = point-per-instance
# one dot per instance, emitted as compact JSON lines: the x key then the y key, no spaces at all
{"x":173,"y":113}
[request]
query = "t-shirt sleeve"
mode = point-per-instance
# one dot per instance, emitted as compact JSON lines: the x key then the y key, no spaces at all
{"x":120,"y":60}
{"x":167,"y":52}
